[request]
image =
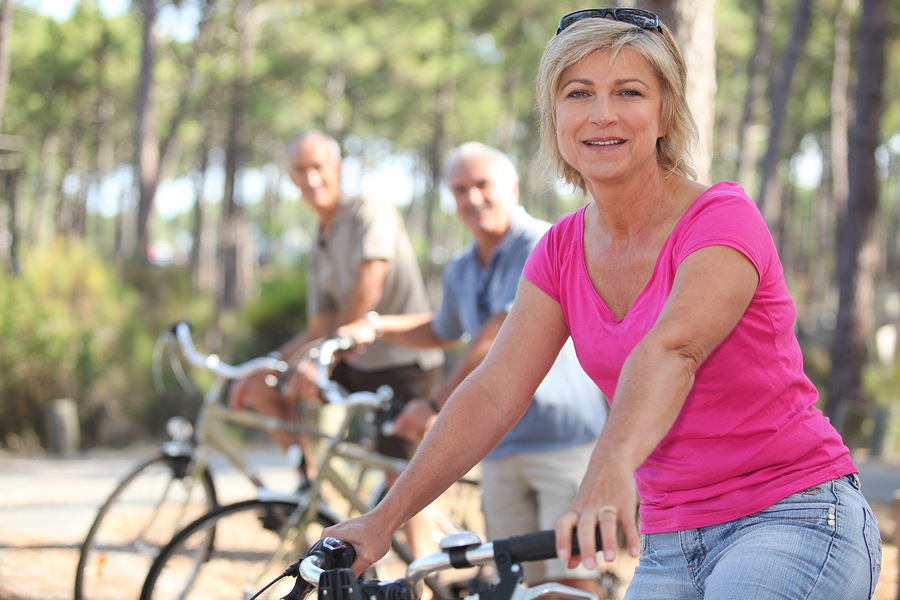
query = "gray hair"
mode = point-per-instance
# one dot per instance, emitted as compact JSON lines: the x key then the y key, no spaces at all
{"x":477,"y":149}
{"x":332,"y":143}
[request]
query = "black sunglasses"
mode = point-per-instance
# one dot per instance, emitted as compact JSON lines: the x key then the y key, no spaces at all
{"x":634,"y":16}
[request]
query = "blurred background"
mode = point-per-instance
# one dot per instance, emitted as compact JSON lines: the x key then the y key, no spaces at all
{"x":142,"y":173}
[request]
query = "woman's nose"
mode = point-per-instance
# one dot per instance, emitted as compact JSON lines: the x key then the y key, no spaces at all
{"x":603,"y":112}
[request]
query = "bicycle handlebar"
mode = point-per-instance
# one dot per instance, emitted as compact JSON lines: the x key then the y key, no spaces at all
{"x":505,"y":552}
{"x":332,"y":391}
{"x":212,"y":363}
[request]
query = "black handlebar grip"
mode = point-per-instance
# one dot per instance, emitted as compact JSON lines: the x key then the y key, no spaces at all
{"x":387,"y":416}
{"x":541,"y":545}
{"x":341,"y":555}
{"x":332,"y":554}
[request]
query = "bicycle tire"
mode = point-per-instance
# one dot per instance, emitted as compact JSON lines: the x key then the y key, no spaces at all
{"x":129,"y":531}
{"x":255,"y":541}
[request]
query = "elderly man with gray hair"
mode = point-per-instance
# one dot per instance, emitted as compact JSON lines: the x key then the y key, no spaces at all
{"x":531,"y":476}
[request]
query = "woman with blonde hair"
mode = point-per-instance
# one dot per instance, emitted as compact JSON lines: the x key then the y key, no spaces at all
{"x":675,"y":299}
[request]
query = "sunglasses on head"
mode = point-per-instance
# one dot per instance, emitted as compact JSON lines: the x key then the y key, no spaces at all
{"x":634,"y":16}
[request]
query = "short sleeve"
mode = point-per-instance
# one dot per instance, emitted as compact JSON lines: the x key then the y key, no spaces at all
{"x":317,"y":299}
{"x":378,"y":227}
{"x":447,"y":322}
{"x":543,"y":265}
{"x":726,"y":218}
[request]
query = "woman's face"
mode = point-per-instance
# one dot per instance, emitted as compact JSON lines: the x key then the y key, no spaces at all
{"x":609,"y":116}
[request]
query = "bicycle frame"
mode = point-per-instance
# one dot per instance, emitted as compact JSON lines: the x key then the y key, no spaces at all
{"x":306,"y":508}
{"x":210,"y":435}
{"x":207,"y":433}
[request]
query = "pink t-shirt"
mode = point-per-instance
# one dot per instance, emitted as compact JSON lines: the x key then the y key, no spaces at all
{"x":749,"y":434}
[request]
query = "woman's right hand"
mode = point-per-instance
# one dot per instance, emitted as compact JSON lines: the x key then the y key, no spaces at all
{"x":370,"y":538}
{"x":606,"y":498}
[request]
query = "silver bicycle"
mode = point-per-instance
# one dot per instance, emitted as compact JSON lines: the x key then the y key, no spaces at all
{"x":231,"y":550}
{"x":168,"y":490}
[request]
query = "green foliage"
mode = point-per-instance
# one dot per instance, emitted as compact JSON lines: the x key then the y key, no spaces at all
{"x":277,"y":314}
{"x":883,"y":384}
{"x":69,"y":329}
{"x":422,"y":75}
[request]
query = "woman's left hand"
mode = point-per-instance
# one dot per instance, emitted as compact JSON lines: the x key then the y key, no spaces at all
{"x":607,"y":498}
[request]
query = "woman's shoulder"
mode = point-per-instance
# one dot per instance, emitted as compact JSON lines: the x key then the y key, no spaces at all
{"x":724,"y":204}
{"x":725,"y":214}
{"x":724,"y":194}
{"x":570,"y":224}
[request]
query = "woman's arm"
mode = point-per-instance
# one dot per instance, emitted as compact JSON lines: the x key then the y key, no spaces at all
{"x":475,"y":418}
{"x":712,"y":289}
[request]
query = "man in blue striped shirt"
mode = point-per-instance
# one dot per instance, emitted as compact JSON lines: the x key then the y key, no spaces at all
{"x":531,"y":476}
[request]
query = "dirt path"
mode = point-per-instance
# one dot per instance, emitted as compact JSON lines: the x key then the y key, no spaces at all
{"x":47,"y":505}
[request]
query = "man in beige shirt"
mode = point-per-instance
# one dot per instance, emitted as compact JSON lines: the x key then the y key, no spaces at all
{"x":362,"y":260}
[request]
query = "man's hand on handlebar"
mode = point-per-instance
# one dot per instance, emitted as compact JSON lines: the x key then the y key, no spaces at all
{"x":362,"y":331}
{"x":243,"y":393}
{"x":302,"y":384}
{"x":415,"y":420}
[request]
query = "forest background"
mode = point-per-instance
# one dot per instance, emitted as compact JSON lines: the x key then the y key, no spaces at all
{"x":142,"y":169}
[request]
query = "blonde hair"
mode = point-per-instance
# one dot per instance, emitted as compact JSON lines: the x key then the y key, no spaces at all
{"x":661,"y":53}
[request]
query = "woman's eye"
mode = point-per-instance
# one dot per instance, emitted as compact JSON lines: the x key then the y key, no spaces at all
{"x":577,"y":94}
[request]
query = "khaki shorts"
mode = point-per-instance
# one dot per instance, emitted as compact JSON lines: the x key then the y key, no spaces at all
{"x":528,"y":492}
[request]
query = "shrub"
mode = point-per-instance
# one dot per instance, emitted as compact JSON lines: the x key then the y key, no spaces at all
{"x":68,"y":329}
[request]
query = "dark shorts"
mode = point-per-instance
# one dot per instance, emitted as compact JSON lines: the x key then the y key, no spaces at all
{"x":409,"y":382}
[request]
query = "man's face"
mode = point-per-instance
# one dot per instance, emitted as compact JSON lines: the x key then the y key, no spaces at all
{"x":485,"y":195}
{"x":317,"y":173}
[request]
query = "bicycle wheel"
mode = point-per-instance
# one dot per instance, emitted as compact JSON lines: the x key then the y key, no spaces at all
{"x":459,"y":508}
{"x":142,"y":514}
{"x":255,"y":541}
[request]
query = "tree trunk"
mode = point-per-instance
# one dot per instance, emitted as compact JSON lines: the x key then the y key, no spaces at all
{"x":204,"y":32}
{"x":6,"y":19}
{"x":146,"y":144}
{"x":228,"y":237}
{"x":840,"y":112}
{"x":446,"y":97}
{"x":768,"y":198}
{"x":693,"y":23}
{"x":756,"y":70}
{"x":151,"y":154}
{"x":198,"y":225}
{"x":11,"y":183}
{"x":835,"y":202}
{"x":233,"y":247}
{"x":49,"y":151}
{"x":65,"y":209}
{"x":856,"y":248}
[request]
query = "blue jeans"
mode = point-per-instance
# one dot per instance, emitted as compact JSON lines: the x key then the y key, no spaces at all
{"x":822,"y":543}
